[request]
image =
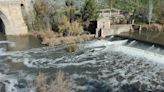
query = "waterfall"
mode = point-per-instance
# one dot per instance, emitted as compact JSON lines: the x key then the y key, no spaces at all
{"x":150,"y":11}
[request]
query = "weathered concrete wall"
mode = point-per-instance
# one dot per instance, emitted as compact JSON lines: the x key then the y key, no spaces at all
{"x":114,"y":30}
{"x":103,"y":25}
{"x":118,"y":29}
{"x":11,"y":15}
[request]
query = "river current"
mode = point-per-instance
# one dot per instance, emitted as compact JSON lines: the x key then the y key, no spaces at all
{"x":109,"y":65}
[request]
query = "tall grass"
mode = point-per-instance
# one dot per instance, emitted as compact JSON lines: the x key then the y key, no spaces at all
{"x":70,"y":28}
{"x":72,"y":48}
{"x":60,"y":84}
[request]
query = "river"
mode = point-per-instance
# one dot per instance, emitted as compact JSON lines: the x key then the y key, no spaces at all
{"x":108,"y":65}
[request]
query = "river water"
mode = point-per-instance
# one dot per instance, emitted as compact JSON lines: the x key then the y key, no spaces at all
{"x":108,"y":65}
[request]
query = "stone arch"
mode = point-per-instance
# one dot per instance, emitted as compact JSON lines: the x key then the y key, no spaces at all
{"x":5,"y":22}
{"x":11,"y":15}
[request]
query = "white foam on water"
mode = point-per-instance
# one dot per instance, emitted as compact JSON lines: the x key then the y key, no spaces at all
{"x":151,"y":48}
{"x":99,"y":43}
{"x":111,"y":37}
{"x":96,"y":48}
{"x":2,"y":50}
{"x":140,"y":53}
{"x":10,"y":87}
{"x":132,"y":43}
{"x":132,"y":51}
{"x":2,"y":76}
{"x":12,"y":44}
{"x":9,"y":83}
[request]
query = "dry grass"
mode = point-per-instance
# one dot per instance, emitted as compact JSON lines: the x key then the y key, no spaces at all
{"x":72,"y":29}
{"x":152,"y":27}
{"x":72,"y":48}
{"x":60,"y":84}
{"x":51,"y":38}
{"x":65,"y":40}
{"x":45,"y":34}
{"x":41,"y":83}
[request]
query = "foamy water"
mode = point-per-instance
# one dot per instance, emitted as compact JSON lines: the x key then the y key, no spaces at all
{"x":113,"y":63}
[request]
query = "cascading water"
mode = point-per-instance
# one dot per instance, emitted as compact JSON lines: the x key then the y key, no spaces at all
{"x":98,"y":66}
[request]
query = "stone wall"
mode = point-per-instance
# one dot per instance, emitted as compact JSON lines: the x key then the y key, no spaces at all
{"x":11,"y":15}
{"x":114,"y":30}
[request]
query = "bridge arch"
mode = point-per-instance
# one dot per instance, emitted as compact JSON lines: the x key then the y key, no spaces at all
{"x":11,"y":17}
{"x":4,"y":23}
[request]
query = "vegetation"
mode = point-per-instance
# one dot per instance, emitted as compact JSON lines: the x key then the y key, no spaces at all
{"x":70,"y":20}
{"x":60,"y":84}
{"x":140,"y":8}
{"x":73,"y":21}
{"x":64,"y":40}
{"x":70,"y":28}
{"x":89,"y":10}
{"x":72,"y":48}
{"x":70,"y":10}
{"x":40,"y":22}
{"x":65,"y":25}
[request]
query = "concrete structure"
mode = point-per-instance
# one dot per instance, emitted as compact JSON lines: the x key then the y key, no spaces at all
{"x":104,"y":27}
{"x":103,"y":24}
{"x":11,"y":19}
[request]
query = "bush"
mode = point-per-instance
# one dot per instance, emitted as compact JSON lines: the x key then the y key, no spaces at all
{"x":70,"y":29}
{"x":60,"y":84}
{"x":72,"y":48}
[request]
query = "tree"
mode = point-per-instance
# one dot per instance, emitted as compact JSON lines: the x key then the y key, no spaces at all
{"x":40,"y":8}
{"x":69,"y":3}
{"x":89,"y":10}
{"x":70,"y":29}
{"x":110,"y":3}
{"x":70,"y":10}
{"x":159,"y":12}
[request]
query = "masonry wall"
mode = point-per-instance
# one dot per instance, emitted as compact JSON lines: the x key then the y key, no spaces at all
{"x":14,"y":22}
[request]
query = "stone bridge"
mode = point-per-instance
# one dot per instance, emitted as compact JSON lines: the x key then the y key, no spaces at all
{"x":11,"y":18}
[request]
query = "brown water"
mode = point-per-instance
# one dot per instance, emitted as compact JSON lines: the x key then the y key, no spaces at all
{"x":20,"y":42}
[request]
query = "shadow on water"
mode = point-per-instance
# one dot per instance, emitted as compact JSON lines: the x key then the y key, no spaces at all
{"x":20,"y":42}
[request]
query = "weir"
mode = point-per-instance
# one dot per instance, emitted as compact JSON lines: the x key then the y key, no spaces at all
{"x":141,"y":40}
